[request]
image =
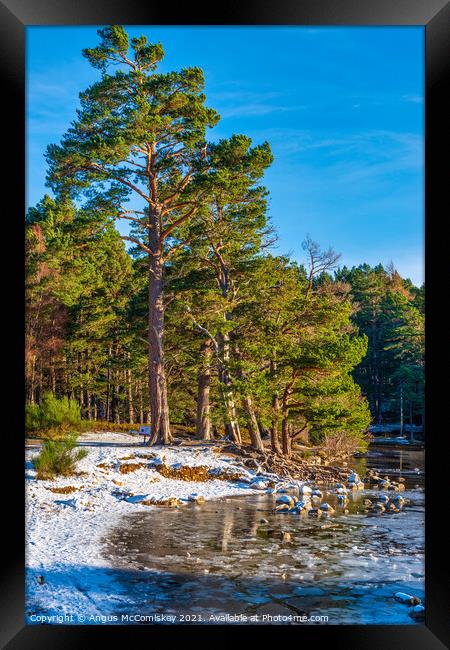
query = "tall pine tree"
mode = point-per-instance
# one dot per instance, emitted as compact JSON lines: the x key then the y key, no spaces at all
{"x":139,"y":133}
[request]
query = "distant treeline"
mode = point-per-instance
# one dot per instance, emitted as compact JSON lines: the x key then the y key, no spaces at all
{"x":390,"y":311}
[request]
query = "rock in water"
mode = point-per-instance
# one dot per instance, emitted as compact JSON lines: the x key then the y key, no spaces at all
{"x":282,"y":507}
{"x":391,"y":507}
{"x":418,"y":613}
{"x":406,"y":599}
{"x":287,"y":499}
{"x":196,"y":498}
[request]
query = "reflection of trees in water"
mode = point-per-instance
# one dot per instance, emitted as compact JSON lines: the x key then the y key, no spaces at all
{"x":226,"y":530}
{"x":254,"y":521}
{"x":157,"y":531}
{"x":247,"y":524}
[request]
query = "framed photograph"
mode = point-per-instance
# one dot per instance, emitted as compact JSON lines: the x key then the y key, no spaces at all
{"x":229,"y":423}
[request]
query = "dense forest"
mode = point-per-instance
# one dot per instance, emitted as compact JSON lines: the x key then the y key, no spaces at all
{"x":198,"y":322}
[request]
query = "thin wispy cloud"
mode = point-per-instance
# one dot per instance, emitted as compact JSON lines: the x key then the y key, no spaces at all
{"x":44,"y":91}
{"x":240,"y":95}
{"x":413,"y":99}
{"x":243,"y":103}
{"x":245,"y":110}
{"x":373,"y":145}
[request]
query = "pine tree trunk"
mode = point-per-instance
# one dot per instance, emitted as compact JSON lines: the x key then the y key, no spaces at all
{"x":39,"y":387}
{"x":88,"y":392}
{"x":88,"y":404}
{"x":247,"y":404}
{"x":33,"y":381}
{"x":116,"y":395}
{"x":231,"y":422}
{"x":159,"y":407}
{"x":274,"y":439}
{"x":82,"y":402}
{"x":286,"y":440}
{"x":203,"y":420}
{"x":130,"y":396}
{"x":108,"y":386}
{"x":141,"y":404}
{"x":252,"y":424}
{"x":286,"y":437}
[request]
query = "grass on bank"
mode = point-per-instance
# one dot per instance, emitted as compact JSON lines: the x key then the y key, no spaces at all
{"x":58,"y":457}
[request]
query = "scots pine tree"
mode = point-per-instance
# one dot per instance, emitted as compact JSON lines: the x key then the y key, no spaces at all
{"x":230,"y":231}
{"x":139,"y":133}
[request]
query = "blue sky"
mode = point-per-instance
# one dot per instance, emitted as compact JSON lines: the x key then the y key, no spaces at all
{"x":342,"y":108}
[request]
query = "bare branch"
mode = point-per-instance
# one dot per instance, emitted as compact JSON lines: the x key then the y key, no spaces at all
{"x":138,"y":243}
{"x":205,"y":331}
{"x":179,"y":189}
{"x":133,"y":187}
{"x":177,"y":247}
{"x":177,"y":223}
{"x":123,"y":215}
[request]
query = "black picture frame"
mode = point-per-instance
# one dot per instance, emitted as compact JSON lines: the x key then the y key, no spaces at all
{"x":15,"y":15}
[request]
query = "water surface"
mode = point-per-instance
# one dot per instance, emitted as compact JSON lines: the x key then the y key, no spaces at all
{"x":228,"y":557}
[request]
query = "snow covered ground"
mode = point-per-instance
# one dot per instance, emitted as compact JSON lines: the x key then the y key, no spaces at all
{"x":67,"y":574}
{"x":78,"y":572}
